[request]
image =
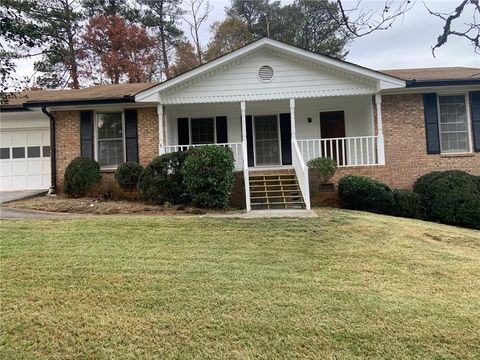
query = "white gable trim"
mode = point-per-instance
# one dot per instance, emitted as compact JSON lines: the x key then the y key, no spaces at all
{"x":383,"y":81}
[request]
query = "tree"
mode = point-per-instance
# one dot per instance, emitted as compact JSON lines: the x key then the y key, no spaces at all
{"x":185,"y":58}
{"x":228,"y":35}
{"x":162,"y":16}
{"x":121,"y":8}
{"x":198,"y":11}
{"x":261,"y":16}
{"x":19,"y":35}
{"x":117,"y":50}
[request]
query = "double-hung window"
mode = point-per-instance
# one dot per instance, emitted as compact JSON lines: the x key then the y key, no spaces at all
{"x":110,"y":139}
{"x":454,"y":128}
{"x":203,"y":130}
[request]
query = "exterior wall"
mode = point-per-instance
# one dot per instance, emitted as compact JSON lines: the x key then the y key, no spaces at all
{"x":293,"y":77}
{"x":406,"y":156}
{"x":358,"y":115}
{"x":23,"y":120}
{"x":68,"y":138}
{"x":237,"y":197}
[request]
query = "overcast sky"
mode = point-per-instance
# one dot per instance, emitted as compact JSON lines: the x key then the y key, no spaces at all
{"x":407,"y":44}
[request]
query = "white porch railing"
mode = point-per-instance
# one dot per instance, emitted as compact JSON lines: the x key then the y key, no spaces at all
{"x":346,"y":151}
{"x":236,"y":149}
{"x":301,"y":171}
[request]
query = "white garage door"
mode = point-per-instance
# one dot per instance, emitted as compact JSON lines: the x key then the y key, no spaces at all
{"x":24,"y":159}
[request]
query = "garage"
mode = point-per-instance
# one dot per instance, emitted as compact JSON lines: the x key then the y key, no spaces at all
{"x":24,"y":151}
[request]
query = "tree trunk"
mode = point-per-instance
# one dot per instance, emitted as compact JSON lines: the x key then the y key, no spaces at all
{"x":73,"y":63}
{"x":163,"y":42}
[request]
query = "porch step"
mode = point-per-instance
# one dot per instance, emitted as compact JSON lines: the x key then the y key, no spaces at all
{"x":275,"y":190}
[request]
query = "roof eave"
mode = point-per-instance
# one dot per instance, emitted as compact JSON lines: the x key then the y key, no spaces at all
{"x":121,"y":100}
{"x":441,"y":82}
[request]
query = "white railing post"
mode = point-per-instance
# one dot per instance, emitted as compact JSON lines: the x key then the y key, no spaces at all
{"x":245,"y":156}
{"x":292,"y":119}
{"x":160,"y":129}
{"x":380,"y":138}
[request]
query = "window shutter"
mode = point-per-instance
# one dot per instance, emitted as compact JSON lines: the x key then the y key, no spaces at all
{"x":222,"y":133}
{"x":86,"y":133}
{"x":251,"y":161}
{"x":183,"y":132}
{"x":431,"y":123}
{"x":286,"y":138}
{"x":131,"y":135}
{"x":475,"y":113}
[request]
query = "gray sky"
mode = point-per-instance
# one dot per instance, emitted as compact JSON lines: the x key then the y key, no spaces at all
{"x":407,"y":44}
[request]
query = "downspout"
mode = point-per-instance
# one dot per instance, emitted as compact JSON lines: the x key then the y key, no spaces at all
{"x":53,"y":151}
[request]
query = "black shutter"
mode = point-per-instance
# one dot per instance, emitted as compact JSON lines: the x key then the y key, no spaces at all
{"x":86,"y":133}
{"x":286,"y":138}
{"x":249,"y":124}
{"x":222,"y":133}
{"x":475,"y":112}
{"x":431,"y":123}
{"x":131,"y":135}
{"x":183,"y":132}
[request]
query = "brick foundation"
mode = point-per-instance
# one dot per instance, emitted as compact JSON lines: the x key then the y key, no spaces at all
{"x":237,"y":197}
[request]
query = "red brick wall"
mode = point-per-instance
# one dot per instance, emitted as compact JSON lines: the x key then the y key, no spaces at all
{"x":68,"y":138}
{"x":406,"y":156}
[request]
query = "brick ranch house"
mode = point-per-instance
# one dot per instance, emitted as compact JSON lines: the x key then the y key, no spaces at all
{"x":276,"y":106}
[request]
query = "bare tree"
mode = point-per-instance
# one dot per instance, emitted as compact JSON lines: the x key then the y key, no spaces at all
{"x":471,"y":30}
{"x":198,"y":11}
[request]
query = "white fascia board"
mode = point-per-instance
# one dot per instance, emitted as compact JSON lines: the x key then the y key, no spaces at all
{"x":386,"y":81}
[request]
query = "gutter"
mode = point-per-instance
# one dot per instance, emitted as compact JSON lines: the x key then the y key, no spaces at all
{"x":43,"y":104}
{"x":413,"y":83}
{"x":53,"y":151}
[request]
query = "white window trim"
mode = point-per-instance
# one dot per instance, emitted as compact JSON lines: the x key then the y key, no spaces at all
{"x":95,"y":136}
{"x":202,"y":117}
{"x":469,"y":122}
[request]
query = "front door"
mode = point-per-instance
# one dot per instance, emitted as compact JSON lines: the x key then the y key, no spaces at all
{"x":267,"y":142}
{"x":332,"y":126}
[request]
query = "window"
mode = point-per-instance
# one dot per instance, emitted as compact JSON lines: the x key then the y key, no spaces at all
{"x":203,"y":131}
{"x":4,"y":153}
{"x":18,"y":153}
{"x":453,"y":119}
{"x":46,"y":151}
{"x":110,"y":139}
{"x":33,"y":151}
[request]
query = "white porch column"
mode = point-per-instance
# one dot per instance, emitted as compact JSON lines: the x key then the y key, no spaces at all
{"x":380,"y":138}
{"x":292,"y":119}
{"x":160,"y":129}
{"x":246,"y":179}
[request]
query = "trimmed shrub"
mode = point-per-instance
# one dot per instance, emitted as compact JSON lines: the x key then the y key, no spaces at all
{"x":451,"y":197}
{"x":81,"y":175}
{"x":324,"y":168}
{"x":209,"y":177}
{"x":162,"y":180}
{"x":407,"y":203}
{"x":127,"y":175}
{"x":364,"y":193}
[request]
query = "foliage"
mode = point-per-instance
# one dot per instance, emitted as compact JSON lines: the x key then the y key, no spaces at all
{"x":127,"y":175}
{"x":185,"y":58}
{"x":451,"y":197}
{"x":407,"y":203}
{"x":325,"y":168}
{"x":120,"y":8}
{"x":209,"y":175}
{"x":81,"y":175}
{"x":228,"y":35}
{"x":364,"y":193}
{"x":162,"y":17}
{"x":118,"y":50}
{"x":162,"y":180}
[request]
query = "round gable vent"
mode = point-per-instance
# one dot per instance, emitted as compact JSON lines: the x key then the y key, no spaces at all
{"x":265,"y":73}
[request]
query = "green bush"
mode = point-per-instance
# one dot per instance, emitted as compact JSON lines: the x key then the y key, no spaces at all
{"x":209,"y":177}
{"x":127,"y":175}
{"x":407,"y":203}
{"x":81,"y":175}
{"x":162,"y":180}
{"x":325,"y":168}
{"x":364,"y":193}
{"x":451,"y":197}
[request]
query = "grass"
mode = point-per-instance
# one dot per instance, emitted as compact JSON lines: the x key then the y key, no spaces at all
{"x":347,"y":285}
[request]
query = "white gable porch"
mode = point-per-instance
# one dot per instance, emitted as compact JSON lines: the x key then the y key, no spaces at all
{"x":275,"y":105}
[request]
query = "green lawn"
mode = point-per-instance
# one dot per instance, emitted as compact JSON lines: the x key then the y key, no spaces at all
{"x":346,"y":285}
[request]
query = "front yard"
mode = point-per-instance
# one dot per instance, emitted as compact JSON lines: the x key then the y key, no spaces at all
{"x":346,"y":285}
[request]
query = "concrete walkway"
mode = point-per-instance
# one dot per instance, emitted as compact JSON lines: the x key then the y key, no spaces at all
{"x":24,"y":214}
{"x":8,"y":196}
{"x":265,"y":214}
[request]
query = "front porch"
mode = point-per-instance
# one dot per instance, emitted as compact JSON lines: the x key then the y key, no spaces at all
{"x":280,"y":134}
